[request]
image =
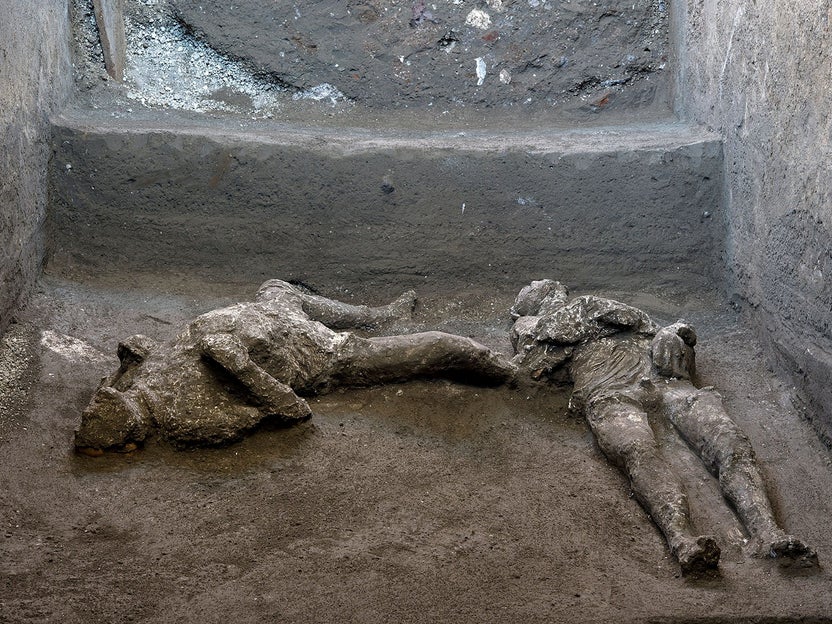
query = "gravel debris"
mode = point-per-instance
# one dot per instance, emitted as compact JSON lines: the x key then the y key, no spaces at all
{"x":18,"y":362}
{"x":169,"y":67}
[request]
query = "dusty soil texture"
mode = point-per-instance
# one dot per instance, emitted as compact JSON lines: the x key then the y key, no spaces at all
{"x":578,"y":61}
{"x":417,"y":502}
{"x":386,"y":53}
{"x":164,"y":192}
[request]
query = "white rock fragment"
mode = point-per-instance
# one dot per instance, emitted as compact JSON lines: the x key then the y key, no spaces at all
{"x":478,"y":19}
{"x":505,"y":76}
{"x":320,"y":92}
{"x":497,"y":5}
{"x":481,"y":70}
{"x":71,"y":348}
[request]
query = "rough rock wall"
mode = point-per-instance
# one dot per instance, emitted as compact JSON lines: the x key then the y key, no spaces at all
{"x":760,"y":73}
{"x":34,"y":77}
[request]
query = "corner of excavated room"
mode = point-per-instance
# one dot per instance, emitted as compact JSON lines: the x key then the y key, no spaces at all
{"x":36,"y":82}
{"x":757,"y":74}
{"x":162,"y":158}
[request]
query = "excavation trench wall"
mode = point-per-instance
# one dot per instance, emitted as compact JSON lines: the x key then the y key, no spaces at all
{"x":35,"y":77}
{"x":759,"y":75}
{"x":637,"y":209}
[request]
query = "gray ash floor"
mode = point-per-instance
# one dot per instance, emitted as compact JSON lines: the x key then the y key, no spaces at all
{"x":418,"y":502}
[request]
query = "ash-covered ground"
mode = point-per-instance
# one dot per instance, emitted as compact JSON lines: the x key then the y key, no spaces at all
{"x":417,"y":502}
{"x":580,"y":60}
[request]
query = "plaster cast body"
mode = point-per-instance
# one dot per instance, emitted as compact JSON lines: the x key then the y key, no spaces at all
{"x":234,"y":367}
{"x":622,"y":364}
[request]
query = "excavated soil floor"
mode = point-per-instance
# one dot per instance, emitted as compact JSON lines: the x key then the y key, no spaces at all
{"x":420,"y":502}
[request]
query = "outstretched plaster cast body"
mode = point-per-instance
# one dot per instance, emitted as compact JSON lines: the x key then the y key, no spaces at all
{"x":622,"y":364}
{"x":234,"y":367}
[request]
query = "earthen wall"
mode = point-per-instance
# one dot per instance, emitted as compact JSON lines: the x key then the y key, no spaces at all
{"x":35,"y":76}
{"x":759,"y":73}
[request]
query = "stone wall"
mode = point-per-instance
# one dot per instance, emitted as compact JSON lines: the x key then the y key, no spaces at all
{"x":35,"y":76}
{"x":759,"y":74}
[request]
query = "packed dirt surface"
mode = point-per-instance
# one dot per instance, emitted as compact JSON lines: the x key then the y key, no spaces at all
{"x":386,"y":53}
{"x":419,"y":502}
{"x":579,"y":61}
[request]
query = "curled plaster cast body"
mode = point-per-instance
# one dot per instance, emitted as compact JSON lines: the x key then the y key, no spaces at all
{"x":234,"y":367}
{"x":622,"y":365}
